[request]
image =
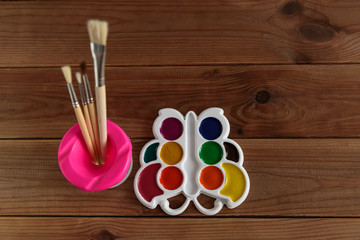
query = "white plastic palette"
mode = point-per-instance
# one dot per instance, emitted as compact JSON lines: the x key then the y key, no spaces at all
{"x":191,"y":156}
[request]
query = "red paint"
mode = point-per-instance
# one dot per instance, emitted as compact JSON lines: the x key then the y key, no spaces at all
{"x":147,"y":183}
{"x":211,"y":178}
{"x":171,"y":178}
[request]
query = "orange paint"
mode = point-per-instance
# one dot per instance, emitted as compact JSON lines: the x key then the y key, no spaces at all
{"x":211,"y":177}
{"x":171,"y":178}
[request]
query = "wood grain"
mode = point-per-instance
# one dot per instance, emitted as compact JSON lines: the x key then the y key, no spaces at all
{"x":299,"y":177}
{"x":52,"y":33}
{"x":284,"y":71}
{"x":259,"y":101}
{"x":176,"y":228}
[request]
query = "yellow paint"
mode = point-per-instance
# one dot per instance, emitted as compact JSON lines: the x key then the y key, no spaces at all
{"x":171,"y":153}
{"x":235,"y":182}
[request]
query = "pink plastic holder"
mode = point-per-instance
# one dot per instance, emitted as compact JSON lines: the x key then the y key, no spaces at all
{"x":76,"y":165}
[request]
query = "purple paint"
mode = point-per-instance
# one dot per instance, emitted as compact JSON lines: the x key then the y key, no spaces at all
{"x":171,"y":128}
{"x":147,"y":183}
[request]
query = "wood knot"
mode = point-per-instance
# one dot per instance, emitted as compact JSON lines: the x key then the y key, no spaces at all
{"x":240,"y":131}
{"x":291,"y":7}
{"x":105,"y":235}
{"x":301,"y":59}
{"x":317,"y":32}
{"x":211,"y":74}
{"x":262,"y":97}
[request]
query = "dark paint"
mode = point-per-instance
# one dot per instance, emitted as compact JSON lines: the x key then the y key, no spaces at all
{"x":232,"y":153}
{"x":210,"y":128}
{"x":150,"y":153}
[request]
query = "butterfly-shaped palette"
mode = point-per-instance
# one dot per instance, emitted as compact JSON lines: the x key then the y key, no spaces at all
{"x":191,"y":155}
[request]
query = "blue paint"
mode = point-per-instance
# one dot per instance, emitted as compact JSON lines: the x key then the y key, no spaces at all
{"x":210,"y":128}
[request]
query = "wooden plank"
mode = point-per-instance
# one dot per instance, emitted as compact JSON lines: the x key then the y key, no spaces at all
{"x":176,"y":228}
{"x":259,"y":101}
{"x":191,"y":32}
{"x":289,"y":177}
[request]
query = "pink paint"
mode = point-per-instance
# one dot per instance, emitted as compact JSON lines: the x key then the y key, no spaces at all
{"x":171,"y":128}
{"x":147,"y":183}
{"x":77,"y":167}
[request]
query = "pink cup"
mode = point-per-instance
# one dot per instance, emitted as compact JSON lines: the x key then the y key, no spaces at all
{"x":76,"y":165}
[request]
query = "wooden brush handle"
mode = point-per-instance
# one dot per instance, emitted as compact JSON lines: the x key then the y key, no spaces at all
{"x":94,"y":125}
{"x":85,"y":133}
{"x":91,"y":131}
{"x":100,"y":93}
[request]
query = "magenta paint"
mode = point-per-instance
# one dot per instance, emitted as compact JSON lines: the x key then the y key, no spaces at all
{"x":171,"y":128}
{"x":147,"y":183}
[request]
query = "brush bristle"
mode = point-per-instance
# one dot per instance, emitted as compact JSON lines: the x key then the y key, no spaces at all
{"x":78,"y":77}
{"x":67,"y":74}
{"x":98,"y":31}
{"x":83,"y":67}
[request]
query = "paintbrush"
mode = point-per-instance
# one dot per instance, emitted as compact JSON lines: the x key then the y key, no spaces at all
{"x":91,"y":106}
{"x":98,"y":32}
{"x":87,"y":117}
{"x":79,"y":115}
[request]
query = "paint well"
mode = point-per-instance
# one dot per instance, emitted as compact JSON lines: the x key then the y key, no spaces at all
{"x":211,"y":178}
{"x":147,"y":183}
{"x":235,"y":182}
{"x":232,"y":153}
{"x":211,"y":152}
{"x":171,"y":178}
{"x":210,"y":128}
{"x":171,"y":153}
{"x":150,"y":152}
{"x":171,"y":128}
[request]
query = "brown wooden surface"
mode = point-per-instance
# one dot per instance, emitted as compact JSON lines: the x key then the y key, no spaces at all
{"x":177,"y":228}
{"x":285,"y":72}
{"x":304,"y":101}
{"x":182,"y":32}
{"x":289,"y":177}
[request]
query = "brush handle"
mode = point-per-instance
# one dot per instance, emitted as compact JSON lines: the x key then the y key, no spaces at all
{"x":85,"y":132}
{"x":100,"y":93}
{"x":91,"y":131}
{"x":94,"y":125}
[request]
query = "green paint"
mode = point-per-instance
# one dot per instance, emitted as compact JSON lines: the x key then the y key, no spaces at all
{"x":150,"y":153}
{"x":211,"y":152}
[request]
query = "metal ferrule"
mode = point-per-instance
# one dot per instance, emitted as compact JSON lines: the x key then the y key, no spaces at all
{"x":89,"y":96}
{"x":98,"y":54}
{"x":82,"y":95}
{"x":73,"y":97}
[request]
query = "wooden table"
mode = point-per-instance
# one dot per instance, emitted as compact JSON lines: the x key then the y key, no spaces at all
{"x":286,"y":74}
